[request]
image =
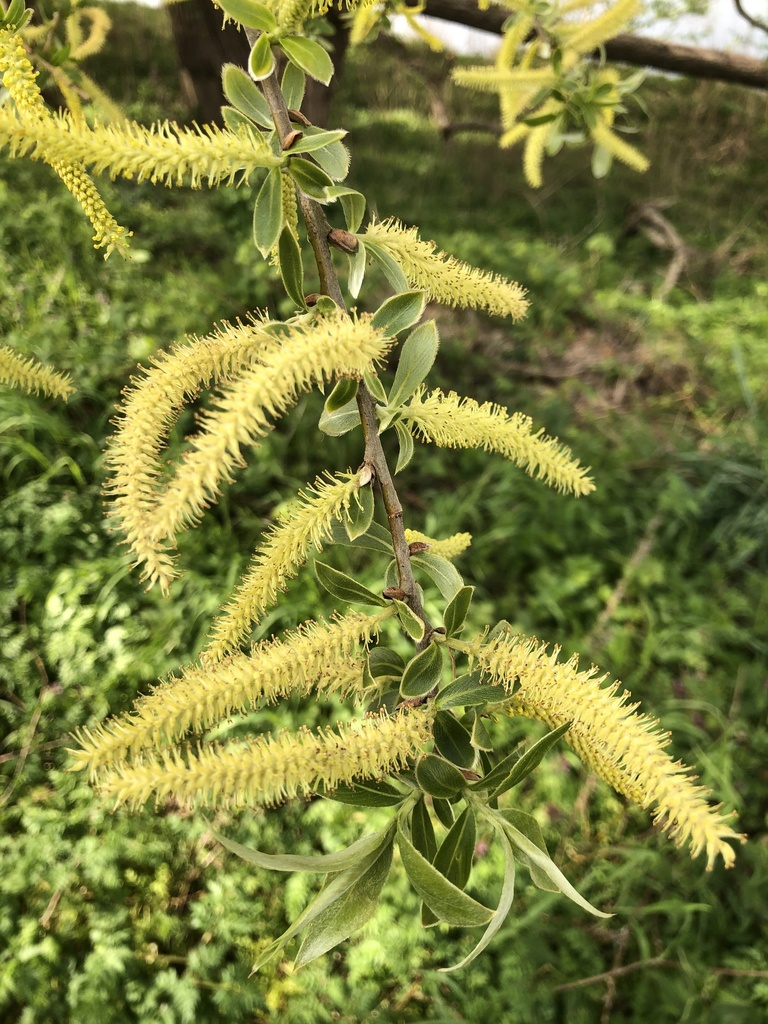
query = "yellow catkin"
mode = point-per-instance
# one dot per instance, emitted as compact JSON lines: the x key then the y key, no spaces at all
{"x":622,"y":150}
{"x":20,"y":79}
{"x":306,"y":526}
{"x":151,"y":405}
{"x":324,"y":656}
{"x":449,"y":547}
{"x":241,"y":414}
{"x":270,"y":769}
{"x":26,"y":373}
{"x":163,"y":154}
{"x":624,"y":748}
{"x":444,"y":278}
{"x":454,"y":422}
{"x":583,"y":37}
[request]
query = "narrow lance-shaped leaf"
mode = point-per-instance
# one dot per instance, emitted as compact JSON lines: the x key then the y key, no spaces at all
{"x":453,"y":741}
{"x":344,"y":391}
{"x":409,"y":620}
{"x":268,"y":213}
{"x":329,"y":863}
{"x":360,"y":513}
{"x":502,"y":910}
{"x":291,"y":267}
{"x":443,"y":573}
{"x":347,"y":913}
{"x":293,"y":85}
{"x":438,"y":778}
{"x":311,"y":179}
{"x":343,"y":587}
{"x":456,"y":611}
{"x":446,"y":900}
{"x":405,"y":442}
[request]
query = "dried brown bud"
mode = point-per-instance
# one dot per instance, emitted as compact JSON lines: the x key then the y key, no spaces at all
{"x":299,"y":118}
{"x":417,"y":546}
{"x":394,"y":594}
{"x":343,"y":240}
{"x":291,"y":138}
{"x":311,"y":300}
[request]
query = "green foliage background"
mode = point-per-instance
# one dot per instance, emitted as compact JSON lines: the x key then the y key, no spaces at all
{"x":143,"y":919}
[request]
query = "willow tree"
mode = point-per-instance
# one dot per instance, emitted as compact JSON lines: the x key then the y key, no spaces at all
{"x":420,"y":744}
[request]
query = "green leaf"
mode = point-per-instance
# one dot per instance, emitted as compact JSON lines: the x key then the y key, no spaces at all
{"x":348,"y":913}
{"x":236,"y":121}
{"x":243,"y":93}
{"x":293,"y":86}
{"x":422,"y":832}
{"x":409,"y":620}
{"x":375,"y":386}
{"x":343,"y":393}
{"x":337,"y":885}
{"x":543,"y":861}
{"x":453,"y":741}
{"x":405,"y":441}
{"x":467,"y":691}
{"x":392,"y":270}
{"x":416,"y":359}
{"x":377,"y":538}
{"x":527,"y":824}
{"x":366,"y":793}
{"x":423,"y":672}
{"x":455,"y":613}
{"x":443,"y":811}
{"x":311,"y":179}
{"x":353,"y":205}
{"x":439,"y":778}
{"x":399,"y":313}
{"x":308,"y":143}
{"x":385,"y":664}
{"x":357,"y":267}
{"x":531,"y":759}
{"x":343,"y":587}
{"x":328,"y":863}
{"x":502,"y":911}
{"x":268,"y":213}
{"x":309,"y":56}
{"x":360,"y":513}
{"x":249,"y":13}
{"x":291,"y":266}
{"x":442,"y":573}
{"x":457,"y":851}
{"x":602,"y":161}
{"x":341,"y":420}
{"x":447,"y":901}
{"x":261,"y":62}
{"x":334,"y":159}
{"x":481,"y":739}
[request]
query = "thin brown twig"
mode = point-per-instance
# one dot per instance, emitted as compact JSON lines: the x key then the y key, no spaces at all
{"x":318,"y":229}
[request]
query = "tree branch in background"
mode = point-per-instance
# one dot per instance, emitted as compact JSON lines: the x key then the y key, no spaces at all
{"x":762,"y":25}
{"x":693,"y":61}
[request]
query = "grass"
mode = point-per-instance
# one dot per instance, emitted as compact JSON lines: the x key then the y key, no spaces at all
{"x":659,"y":575}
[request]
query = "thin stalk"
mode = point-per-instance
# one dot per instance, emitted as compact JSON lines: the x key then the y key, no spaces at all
{"x":317,"y":233}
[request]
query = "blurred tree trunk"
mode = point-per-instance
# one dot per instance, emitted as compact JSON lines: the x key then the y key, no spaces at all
{"x":203,"y":46}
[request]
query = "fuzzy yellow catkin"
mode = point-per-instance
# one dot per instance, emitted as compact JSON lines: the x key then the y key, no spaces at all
{"x":448,"y":547}
{"x":444,"y":278}
{"x":270,"y":769}
{"x":29,"y":375}
{"x":151,"y":404}
{"x":329,"y":347}
{"x":20,"y":79}
{"x":324,"y":656}
{"x":454,"y":422}
{"x":306,"y":525}
{"x":624,"y":748}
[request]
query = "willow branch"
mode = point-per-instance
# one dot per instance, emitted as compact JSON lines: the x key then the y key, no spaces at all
{"x":318,"y":231}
